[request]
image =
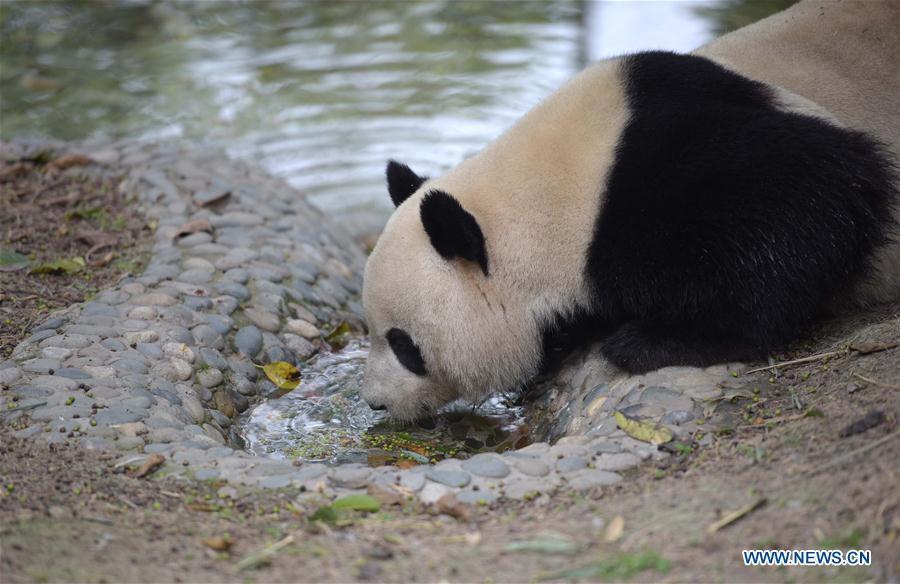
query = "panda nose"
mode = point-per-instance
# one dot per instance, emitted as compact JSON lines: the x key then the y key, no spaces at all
{"x":379,"y":407}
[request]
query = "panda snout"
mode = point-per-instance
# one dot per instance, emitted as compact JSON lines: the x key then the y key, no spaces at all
{"x":378,"y":407}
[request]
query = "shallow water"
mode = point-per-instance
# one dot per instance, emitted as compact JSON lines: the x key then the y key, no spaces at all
{"x":325,"y":420}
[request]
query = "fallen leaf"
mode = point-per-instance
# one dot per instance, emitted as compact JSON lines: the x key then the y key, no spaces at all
{"x":365,"y":503}
{"x":151,"y":464}
{"x":218,"y":543}
{"x":547,"y":544}
{"x":195,"y":226}
{"x":61,"y":265}
{"x":282,"y":374}
{"x":866,"y":347}
{"x":103,"y":261}
{"x":730,"y":518}
{"x":12,"y":261}
{"x":69,"y":160}
{"x":642,"y":430}
{"x":450,"y":505}
{"x":615,"y":529}
{"x":339,"y":337}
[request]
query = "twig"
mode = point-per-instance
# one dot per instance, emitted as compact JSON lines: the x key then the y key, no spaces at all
{"x":735,"y":515}
{"x":264,"y":554}
{"x":853,"y":453}
{"x":24,"y":408}
{"x":876,"y":382}
{"x":798,"y":361}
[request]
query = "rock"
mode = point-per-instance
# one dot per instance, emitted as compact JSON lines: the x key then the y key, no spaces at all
{"x":350,"y":477}
{"x":9,"y":375}
{"x":133,"y":288}
{"x":239,"y":275}
{"x":150,"y":350}
{"x":302,"y":348}
{"x":118,"y":415}
{"x":220,"y":324}
{"x":198,"y":303}
{"x":225,"y":305}
{"x":248,"y":341}
{"x":207,"y":336}
{"x":135,"y":337}
{"x":569,"y":464}
{"x":235,"y":257}
{"x":223,"y":402}
{"x":200,"y":264}
{"x":56,"y":353}
{"x":113,"y":345}
{"x":619,"y":461}
{"x":302,"y":328}
{"x":49,"y":324}
{"x":195,"y":276}
{"x":71,"y":373}
{"x":142,"y":313}
{"x":209,"y":378}
{"x":41,"y":365}
{"x":476,"y":497}
{"x":234,"y":290}
{"x":212,"y":358}
{"x":589,"y":478}
{"x":154,"y":299}
{"x":486,"y":465}
{"x":262,"y":319}
{"x":451,"y":478}
{"x":179,"y":351}
{"x":97,"y":308}
{"x":532,"y":467}
{"x":677,"y":417}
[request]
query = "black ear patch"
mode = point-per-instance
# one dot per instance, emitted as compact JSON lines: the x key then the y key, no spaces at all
{"x":402,"y":181}
{"x":453,"y":231}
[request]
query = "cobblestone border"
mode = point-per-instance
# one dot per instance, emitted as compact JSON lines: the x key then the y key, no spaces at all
{"x":160,"y":363}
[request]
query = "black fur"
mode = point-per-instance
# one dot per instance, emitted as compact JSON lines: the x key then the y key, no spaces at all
{"x":406,"y":351}
{"x":402,"y":181}
{"x":453,"y":231}
{"x":727,"y":223}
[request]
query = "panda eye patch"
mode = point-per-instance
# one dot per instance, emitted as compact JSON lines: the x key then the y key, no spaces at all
{"x":406,"y":351}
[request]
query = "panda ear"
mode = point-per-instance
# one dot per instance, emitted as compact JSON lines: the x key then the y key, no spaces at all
{"x":402,"y":181}
{"x":453,"y":231}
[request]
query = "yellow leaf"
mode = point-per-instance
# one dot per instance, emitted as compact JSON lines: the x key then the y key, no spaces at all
{"x":282,"y":374}
{"x":615,"y":529}
{"x":643,"y":431}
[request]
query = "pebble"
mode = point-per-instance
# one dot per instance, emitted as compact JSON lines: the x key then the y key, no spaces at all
{"x":212,"y":357}
{"x":209,"y":378}
{"x":350,"y":477}
{"x":198,"y":303}
{"x":100,"y":308}
{"x":142,"y":313}
{"x":451,"y":478}
{"x":113,"y":345}
{"x":486,"y":465}
{"x":135,"y":337}
{"x":589,"y":478}
{"x":154,"y":299}
{"x":72,"y":373}
{"x":570,"y":464}
{"x":239,"y":275}
{"x":233,"y":289}
{"x":225,"y":305}
{"x":150,"y":350}
{"x":221,"y":324}
{"x":532,"y":467}
{"x":618,"y":461}
{"x":49,"y":324}
{"x":179,"y":351}
{"x":248,"y":341}
{"x":302,"y":348}
{"x":303,"y":328}
{"x":41,"y":365}
{"x":199,"y":264}
{"x":56,"y":353}
{"x":262,"y":319}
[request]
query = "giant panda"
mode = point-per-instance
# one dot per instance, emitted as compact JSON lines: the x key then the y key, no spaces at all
{"x":689,"y":208}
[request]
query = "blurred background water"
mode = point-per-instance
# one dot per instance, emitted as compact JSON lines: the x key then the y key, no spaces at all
{"x":321,"y":92}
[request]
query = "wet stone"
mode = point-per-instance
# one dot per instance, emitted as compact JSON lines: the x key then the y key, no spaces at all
{"x":219,"y":418}
{"x":221,"y":324}
{"x":302,"y":348}
{"x":248,"y":341}
{"x":486,"y":465}
{"x":243,"y":385}
{"x":113,"y":345}
{"x":451,"y":478}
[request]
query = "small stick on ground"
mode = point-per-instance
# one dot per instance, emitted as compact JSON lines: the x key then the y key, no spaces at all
{"x":798,"y":361}
{"x":853,"y":453}
{"x":264,"y":554}
{"x":735,"y":515}
{"x":876,"y":382}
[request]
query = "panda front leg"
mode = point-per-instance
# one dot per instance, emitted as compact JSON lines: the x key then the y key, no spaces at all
{"x":638,"y":347}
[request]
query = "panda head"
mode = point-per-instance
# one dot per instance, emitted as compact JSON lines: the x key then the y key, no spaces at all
{"x":438,"y":328}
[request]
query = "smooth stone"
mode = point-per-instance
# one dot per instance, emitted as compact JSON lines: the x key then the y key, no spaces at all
{"x":154,"y":299}
{"x":178,"y":351}
{"x":262,"y":319}
{"x":432,"y":493}
{"x":130,"y":365}
{"x":167,"y":395}
{"x":40,"y":336}
{"x":569,"y":464}
{"x":451,"y":478}
{"x":302,"y":313}
{"x":193,"y":407}
{"x":99,"y":308}
{"x":208,"y":474}
{"x":243,"y":385}
{"x":198,"y":303}
{"x":677,"y":417}
{"x":133,"y":288}
{"x":56,"y":353}
{"x":532,"y":467}
{"x":49,"y":324}
{"x":219,"y":418}
{"x":97,"y":331}
{"x":41,"y":365}
{"x":195,"y":239}
{"x":113,"y":345}
{"x":221,"y":324}
{"x":225,"y":305}
{"x":117,"y":415}
{"x":590,"y":478}
{"x":526,"y":489}
{"x":135,"y":337}
{"x":243,"y":366}
{"x":303,"y":328}
{"x":234,"y":290}
{"x":142,"y":313}
{"x":486,"y":465}
{"x":236,"y":219}
{"x":605,"y":447}
{"x":302,"y":348}
{"x":350,"y":478}
{"x":669,"y":399}
{"x":212,"y":358}
{"x":618,"y":461}
{"x":239,"y":275}
{"x":150,"y":350}
{"x":110,"y":297}
{"x":310,"y":472}
{"x":9,"y":375}
{"x":476,"y":497}
{"x":264,"y":271}
{"x":279,"y":353}
{"x":198,"y":264}
{"x":100,"y":371}
{"x":248,"y":341}
{"x":71,"y":373}
{"x":235,"y":257}
{"x":209,"y":378}
{"x":195,"y":276}
{"x":276,"y":482}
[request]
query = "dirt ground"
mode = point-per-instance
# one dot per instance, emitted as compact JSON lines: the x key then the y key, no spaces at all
{"x":62,"y":238}
{"x":812,"y":480}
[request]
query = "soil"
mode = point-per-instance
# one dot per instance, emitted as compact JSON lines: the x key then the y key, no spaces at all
{"x":64,"y":235}
{"x":807,"y":477}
